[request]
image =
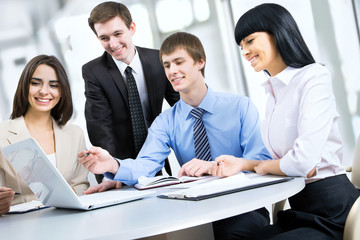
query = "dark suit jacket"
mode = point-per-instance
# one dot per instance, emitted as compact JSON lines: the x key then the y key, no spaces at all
{"x":107,"y":110}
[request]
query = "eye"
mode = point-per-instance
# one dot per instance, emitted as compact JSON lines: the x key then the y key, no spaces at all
{"x":103,"y":38}
{"x":54,"y":84}
{"x":34,"y":83}
{"x":166,"y":65}
{"x":250,"y":41}
{"x":179,"y":62}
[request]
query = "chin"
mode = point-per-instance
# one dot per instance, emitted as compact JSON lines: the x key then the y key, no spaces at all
{"x":176,"y":88}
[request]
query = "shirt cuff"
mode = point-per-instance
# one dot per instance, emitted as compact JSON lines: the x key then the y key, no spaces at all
{"x":124,"y":173}
{"x":293,"y":167}
{"x":109,"y":175}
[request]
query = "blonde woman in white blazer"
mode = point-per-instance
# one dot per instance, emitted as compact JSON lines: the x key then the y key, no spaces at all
{"x":42,"y":107}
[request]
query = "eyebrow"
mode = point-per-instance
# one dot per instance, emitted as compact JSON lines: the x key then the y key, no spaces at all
{"x":175,"y":59}
{"x":116,"y":31}
{"x":39,"y":79}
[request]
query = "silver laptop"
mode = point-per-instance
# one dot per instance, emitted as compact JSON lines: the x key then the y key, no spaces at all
{"x":46,"y":182}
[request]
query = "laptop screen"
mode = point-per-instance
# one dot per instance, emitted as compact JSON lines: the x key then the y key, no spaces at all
{"x":32,"y":164}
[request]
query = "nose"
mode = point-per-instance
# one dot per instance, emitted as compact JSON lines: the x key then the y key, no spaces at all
{"x":44,"y":89}
{"x":245,"y":51}
{"x":113,"y":43}
{"x":173,"y":69}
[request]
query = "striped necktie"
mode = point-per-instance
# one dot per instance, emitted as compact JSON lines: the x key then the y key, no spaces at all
{"x":136,"y":113}
{"x":202,"y":147}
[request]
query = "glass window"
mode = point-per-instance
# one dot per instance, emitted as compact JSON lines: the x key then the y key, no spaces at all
{"x":143,"y":36}
{"x":173,"y":15}
{"x":201,"y":10}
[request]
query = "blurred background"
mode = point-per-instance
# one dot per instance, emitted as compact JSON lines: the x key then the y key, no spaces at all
{"x":59,"y":27}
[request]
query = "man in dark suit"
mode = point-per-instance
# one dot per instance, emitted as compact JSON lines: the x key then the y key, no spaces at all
{"x":107,"y":108}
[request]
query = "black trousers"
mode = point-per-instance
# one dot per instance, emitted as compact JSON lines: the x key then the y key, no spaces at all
{"x":240,"y":226}
{"x":319,"y":211}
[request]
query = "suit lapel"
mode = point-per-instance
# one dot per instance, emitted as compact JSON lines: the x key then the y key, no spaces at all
{"x":117,"y":77}
{"x":18,"y":130}
{"x":60,"y":149}
{"x":148,"y":78}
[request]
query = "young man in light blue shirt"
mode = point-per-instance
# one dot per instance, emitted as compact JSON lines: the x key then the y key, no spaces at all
{"x":231,"y":123}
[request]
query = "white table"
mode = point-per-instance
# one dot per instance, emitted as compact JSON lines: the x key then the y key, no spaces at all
{"x":143,"y":218}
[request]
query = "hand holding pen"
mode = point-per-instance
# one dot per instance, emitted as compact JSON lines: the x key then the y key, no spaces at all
{"x":226,"y":165}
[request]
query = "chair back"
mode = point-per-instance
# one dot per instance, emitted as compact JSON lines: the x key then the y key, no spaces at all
{"x":352,"y":224}
{"x":355,"y":175}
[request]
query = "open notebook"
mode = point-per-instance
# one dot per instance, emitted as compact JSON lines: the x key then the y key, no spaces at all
{"x":46,"y":182}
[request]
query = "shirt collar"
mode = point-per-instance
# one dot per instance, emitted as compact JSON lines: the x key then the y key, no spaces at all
{"x":207,"y":104}
{"x":283,"y":77}
{"x":135,"y":64}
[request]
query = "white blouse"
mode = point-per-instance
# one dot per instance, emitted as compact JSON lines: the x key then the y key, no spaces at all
{"x":301,"y":122}
{"x":52,"y":158}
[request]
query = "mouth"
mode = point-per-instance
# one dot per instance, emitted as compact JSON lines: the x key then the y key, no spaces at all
{"x":118,"y":50}
{"x":43,"y":100}
{"x":253,"y":59}
{"x":175,"y":80}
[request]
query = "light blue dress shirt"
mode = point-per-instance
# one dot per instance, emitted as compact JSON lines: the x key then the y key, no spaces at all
{"x":232,"y":127}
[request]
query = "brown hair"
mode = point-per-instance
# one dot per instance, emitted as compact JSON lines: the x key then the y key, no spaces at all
{"x":108,"y":10}
{"x":63,"y":111}
{"x":186,"y":41}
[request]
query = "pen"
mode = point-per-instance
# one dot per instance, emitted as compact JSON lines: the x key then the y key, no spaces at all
{"x":86,"y":154}
{"x":219,"y":163}
{"x":17,"y":193}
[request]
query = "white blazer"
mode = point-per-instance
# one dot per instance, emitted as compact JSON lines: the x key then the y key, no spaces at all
{"x":69,"y":140}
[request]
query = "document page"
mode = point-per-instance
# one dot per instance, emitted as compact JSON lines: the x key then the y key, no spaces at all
{"x":239,"y":182}
{"x":27,"y":207}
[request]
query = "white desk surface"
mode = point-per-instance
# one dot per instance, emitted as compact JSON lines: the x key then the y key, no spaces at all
{"x":143,"y":218}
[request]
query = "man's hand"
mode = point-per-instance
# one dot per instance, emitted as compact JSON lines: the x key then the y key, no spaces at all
{"x":105,"y":185}
{"x":6,"y":196}
{"x":98,"y":161}
{"x":226,"y":165}
{"x":195,"y":168}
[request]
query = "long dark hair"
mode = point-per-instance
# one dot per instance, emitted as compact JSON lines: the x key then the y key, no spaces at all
{"x":277,"y":21}
{"x":63,"y":110}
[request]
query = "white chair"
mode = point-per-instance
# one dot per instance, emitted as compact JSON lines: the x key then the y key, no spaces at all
{"x":355,"y":169}
{"x":352,"y":224}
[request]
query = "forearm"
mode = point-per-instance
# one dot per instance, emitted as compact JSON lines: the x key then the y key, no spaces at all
{"x":130,"y":171}
{"x":249,"y":165}
{"x":269,"y":166}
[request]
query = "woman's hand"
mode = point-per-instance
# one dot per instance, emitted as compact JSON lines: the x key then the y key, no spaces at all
{"x":105,"y":185}
{"x":269,"y":166}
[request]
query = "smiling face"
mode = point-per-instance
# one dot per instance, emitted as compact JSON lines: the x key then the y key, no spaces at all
{"x":182,"y":71}
{"x":260,"y":50}
{"x":44,"y":89}
{"x":116,"y":38}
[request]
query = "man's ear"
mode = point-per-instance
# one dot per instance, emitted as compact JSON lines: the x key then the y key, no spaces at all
{"x":201,"y":64}
{"x":132,"y":28}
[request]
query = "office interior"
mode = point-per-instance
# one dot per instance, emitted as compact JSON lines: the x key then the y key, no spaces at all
{"x":331,"y":28}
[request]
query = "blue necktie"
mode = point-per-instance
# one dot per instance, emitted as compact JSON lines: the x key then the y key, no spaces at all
{"x":202,"y":147}
{"x":136,"y":113}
